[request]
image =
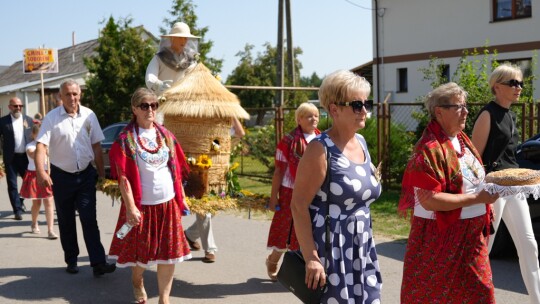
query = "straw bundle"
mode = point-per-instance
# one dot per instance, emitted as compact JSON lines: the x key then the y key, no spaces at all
{"x":200,"y":94}
{"x":198,"y":109}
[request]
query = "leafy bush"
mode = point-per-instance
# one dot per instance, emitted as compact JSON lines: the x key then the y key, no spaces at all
{"x":260,"y":144}
{"x":400,"y":147}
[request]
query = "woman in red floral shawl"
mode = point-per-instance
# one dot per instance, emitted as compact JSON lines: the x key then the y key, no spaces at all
{"x":289,"y":151}
{"x":446,"y":260}
{"x":148,"y":163}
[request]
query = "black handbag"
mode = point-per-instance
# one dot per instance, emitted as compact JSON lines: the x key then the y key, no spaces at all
{"x":292,"y":273}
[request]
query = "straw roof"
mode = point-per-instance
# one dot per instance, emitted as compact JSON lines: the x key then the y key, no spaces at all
{"x":199,"y":94}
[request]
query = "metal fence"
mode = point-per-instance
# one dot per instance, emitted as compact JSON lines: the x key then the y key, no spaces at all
{"x":397,"y":128}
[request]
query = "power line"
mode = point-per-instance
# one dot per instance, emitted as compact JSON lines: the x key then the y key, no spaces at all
{"x":358,"y":5}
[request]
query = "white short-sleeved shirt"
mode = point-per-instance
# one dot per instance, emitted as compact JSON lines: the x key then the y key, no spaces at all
{"x":31,"y":147}
{"x":70,"y":139}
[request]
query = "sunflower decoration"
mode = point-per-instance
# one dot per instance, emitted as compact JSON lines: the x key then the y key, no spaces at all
{"x":204,"y":162}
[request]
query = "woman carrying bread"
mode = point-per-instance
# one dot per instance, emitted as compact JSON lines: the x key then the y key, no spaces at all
{"x":495,"y":137}
{"x":446,"y":260}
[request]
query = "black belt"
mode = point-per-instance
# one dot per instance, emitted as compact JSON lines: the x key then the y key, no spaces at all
{"x":69,"y":173}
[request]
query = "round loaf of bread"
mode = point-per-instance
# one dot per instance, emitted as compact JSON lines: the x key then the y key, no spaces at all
{"x":514,"y":177}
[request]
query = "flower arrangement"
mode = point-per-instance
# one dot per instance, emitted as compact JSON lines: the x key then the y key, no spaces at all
{"x":204,"y":162}
{"x":110,"y":188}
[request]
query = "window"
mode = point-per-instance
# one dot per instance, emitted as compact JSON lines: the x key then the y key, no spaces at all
{"x":445,"y":72}
{"x":402,"y":80}
{"x":511,"y":9}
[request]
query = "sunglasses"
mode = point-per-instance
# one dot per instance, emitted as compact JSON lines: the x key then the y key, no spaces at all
{"x":17,"y":106}
{"x":145,"y":106}
{"x":357,"y":105}
{"x":459,"y":107}
{"x":513,"y":83}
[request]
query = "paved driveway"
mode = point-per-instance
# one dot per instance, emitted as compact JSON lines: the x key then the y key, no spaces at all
{"x":32,"y":267}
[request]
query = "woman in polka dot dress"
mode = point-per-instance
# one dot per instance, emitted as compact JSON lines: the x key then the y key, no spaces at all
{"x":352,"y":269}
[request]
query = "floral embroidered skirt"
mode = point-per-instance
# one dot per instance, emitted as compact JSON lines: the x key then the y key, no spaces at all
{"x":30,"y":188}
{"x":281,"y":223}
{"x":159,"y":239}
{"x":447,"y":267}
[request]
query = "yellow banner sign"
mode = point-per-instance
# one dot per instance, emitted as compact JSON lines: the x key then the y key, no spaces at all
{"x":40,"y":61}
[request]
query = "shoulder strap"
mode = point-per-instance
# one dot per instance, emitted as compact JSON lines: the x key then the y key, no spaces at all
{"x":326,"y":186}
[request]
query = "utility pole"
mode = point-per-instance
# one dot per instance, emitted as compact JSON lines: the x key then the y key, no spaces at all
{"x":280,"y":81}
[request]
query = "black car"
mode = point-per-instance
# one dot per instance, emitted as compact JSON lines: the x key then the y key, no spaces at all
{"x":528,"y":156}
{"x":110,"y":132}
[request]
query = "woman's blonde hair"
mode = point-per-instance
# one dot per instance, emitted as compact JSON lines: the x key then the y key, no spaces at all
{"x":339,"y":85}
{"x":442,"y":95}
{"x":503,"y":73}
{"x":304,"y":109}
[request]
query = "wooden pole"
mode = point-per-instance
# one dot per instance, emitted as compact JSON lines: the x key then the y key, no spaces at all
{"x":42,"y":104}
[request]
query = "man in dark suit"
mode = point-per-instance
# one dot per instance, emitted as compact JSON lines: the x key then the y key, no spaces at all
{"x":15,"y":131}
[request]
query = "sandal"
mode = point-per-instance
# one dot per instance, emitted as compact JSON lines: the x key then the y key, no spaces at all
{"x":140,"y":295}
{"x":272,"y":270}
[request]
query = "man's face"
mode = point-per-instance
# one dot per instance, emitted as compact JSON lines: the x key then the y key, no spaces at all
{"x":71,"y":95}
{"x":178,"y":44}
{"x":15,"y":106}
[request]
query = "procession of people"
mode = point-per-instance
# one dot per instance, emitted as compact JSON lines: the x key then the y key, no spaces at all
{"x":323,"y":185}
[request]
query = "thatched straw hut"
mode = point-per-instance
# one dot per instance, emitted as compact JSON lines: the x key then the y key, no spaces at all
{"x":198,"y":110}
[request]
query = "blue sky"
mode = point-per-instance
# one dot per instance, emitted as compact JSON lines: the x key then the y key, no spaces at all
{"x":333,"y":34}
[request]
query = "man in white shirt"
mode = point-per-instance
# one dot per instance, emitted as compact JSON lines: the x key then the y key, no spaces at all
{"x":15,"y":131}
{"x":73,"y":136}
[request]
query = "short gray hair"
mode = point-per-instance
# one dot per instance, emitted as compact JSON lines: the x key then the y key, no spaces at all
{"x":442,"y":96}
{"x":141,"y":94}
{"x":68,"y":82}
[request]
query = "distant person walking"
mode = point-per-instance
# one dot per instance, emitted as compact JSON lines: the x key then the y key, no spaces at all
{"x":38,"y":193}
{"x":72,"y":135}
{"x":15,"y":131}
{"x":288,"y":153}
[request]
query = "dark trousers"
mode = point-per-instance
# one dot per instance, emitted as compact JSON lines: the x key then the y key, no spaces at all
{"x":17,"y":166}
{"x":77,"y":192}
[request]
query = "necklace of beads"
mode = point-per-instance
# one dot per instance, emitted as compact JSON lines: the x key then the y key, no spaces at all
{"x":461,"y":145}
{"x":158,"y":141}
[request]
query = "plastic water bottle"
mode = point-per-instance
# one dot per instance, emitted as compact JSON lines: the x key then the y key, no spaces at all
{"x":123,"y":231}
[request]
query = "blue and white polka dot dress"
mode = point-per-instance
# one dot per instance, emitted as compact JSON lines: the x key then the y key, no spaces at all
{"x":353,"y":269}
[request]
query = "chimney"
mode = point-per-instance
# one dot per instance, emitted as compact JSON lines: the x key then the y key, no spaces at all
{"x":73,"y":38}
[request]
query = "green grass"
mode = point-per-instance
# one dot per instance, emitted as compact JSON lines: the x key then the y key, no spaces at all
{"x":386,"y":221}
{"x":385,"y":218}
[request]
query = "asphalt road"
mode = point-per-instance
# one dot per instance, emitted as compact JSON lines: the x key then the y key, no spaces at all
{"x":32,"y":267}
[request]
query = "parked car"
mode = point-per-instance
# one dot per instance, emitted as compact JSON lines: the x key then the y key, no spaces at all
{"x":528,"y":156}
{"x":110,"y":132}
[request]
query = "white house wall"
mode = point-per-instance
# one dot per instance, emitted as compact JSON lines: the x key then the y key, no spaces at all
{"x":424,"y":26}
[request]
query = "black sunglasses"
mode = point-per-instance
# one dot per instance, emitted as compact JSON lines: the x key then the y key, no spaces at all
{"x":17,"y":106}
{"x":357,"y":105}
{"x":145,"y":106}
{"x":513,"y":83}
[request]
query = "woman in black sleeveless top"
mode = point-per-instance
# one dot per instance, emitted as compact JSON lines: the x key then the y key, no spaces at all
{"x":496,"y":138}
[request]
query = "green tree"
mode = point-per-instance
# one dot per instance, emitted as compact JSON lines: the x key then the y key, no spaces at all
{"x":312,"y":81}
{"x":262,"y":71}
{"x":472,"y":74}
{"x":116,"y":71}
{"x":184,"y":11}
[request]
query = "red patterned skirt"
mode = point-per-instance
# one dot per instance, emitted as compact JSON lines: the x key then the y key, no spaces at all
{"x":281,"y":223}
{"x":30,"y":188}
{"x":447,"y":267}
{"x":159,"y":239}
